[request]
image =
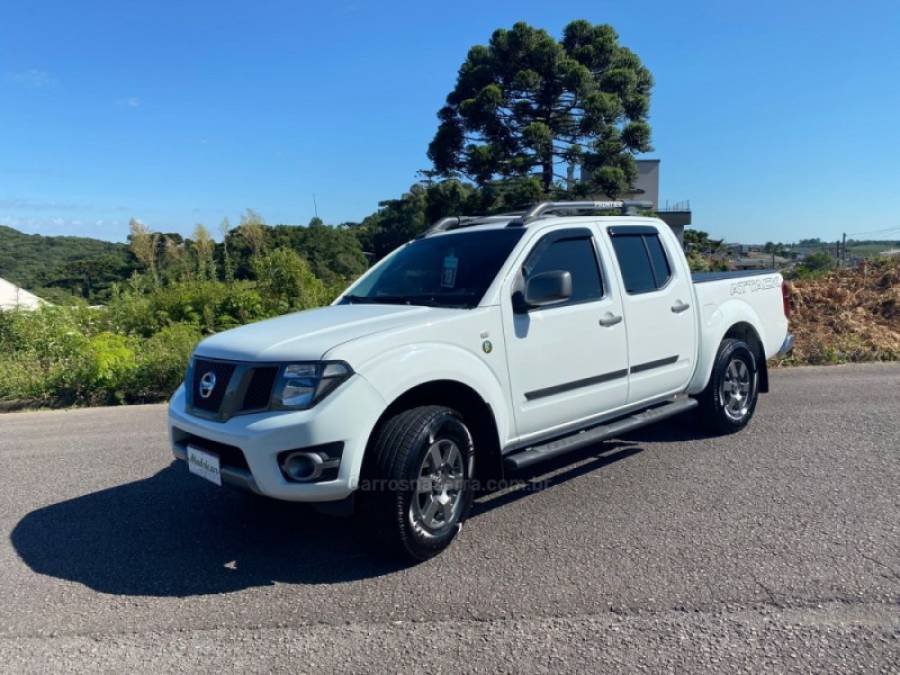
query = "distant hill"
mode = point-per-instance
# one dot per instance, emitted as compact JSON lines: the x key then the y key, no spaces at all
{"x":869,"y":249}
{"x":55,"y":267}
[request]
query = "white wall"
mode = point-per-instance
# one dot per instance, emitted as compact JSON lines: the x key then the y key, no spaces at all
{"x":646,"y":187}
{"x":13,"y":297}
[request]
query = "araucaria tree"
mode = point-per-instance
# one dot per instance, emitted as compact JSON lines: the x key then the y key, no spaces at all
{"x":529,"y":105}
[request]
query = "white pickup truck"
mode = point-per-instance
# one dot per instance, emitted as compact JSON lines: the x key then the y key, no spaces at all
{"x":481,"y":347}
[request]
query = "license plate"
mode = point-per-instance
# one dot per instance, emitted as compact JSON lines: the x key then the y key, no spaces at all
{"x":204,"y":464}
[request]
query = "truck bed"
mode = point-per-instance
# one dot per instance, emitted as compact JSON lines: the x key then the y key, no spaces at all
{"x":703,"y":277}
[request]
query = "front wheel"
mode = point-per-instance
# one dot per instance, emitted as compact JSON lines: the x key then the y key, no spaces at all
{"x":417,"y":490}
{"x":729,"y":400}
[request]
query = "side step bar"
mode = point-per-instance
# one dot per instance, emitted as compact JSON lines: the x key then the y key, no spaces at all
{"x":580,"y":439}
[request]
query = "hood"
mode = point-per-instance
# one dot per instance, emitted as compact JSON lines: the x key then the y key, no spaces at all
{"x":306,"y":336}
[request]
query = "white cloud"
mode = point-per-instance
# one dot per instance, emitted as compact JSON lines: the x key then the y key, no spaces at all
{"x":33,"y":78}
{"x":130,"y":102}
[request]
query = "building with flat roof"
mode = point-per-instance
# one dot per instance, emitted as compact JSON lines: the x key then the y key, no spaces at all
{"x":646,"y":187}
{"x":676,"y":215}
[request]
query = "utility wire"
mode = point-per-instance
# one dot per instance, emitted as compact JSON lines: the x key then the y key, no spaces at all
{"x":890,"y":229}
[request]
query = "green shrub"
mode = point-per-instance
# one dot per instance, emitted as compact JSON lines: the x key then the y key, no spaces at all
{"x":21,"y":379}
{"x":136,"y":348}
{"x":211,"y":306}
{"x":162,"y":362}
{"x":287,"y":281}
{"x":815,"y":265}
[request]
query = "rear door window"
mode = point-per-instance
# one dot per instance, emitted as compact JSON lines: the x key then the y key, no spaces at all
{"x":661,"y":270}
{"x":634,"y":263}
{"x":643,"y":262}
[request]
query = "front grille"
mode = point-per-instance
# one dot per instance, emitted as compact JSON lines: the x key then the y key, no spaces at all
{"x":259,"y":390}
{"x":229,"y":455}
{"x":203,"y":396}
{"x":237,"y":388}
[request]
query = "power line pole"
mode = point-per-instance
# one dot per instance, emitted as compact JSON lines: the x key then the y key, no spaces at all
{"x":844,"y":250}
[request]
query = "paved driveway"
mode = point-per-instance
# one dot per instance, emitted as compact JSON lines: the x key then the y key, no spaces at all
{"x":778,"y":548}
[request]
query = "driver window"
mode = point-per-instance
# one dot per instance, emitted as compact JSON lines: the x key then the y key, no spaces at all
{"x":576,"y":256}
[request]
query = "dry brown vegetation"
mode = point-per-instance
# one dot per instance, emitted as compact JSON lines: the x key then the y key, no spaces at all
{"x":848,"y":315}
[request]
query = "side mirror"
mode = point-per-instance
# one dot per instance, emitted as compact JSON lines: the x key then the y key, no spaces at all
{"x":547,"y":288}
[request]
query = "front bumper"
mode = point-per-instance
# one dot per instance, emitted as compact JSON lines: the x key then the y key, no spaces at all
{"x":786,"y":346}
{"x":348,"y":415}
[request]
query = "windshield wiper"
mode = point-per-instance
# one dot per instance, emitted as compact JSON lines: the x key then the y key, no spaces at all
{"x":378,"y":299}
{"x":441,"y":300}
{"x":426,"y":299}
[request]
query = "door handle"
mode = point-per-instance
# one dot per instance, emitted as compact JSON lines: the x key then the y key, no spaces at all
{"x":680,"y":306}
{"x":610,"y":319}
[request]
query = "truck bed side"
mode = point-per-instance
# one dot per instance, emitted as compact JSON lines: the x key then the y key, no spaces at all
{"x":734,"y":303}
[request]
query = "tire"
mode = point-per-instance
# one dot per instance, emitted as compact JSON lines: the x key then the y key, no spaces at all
{"x":417,"y":490}
{"x":729,"y":400}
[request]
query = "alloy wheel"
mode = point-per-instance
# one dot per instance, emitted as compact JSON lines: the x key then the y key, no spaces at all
{"x":737,"y":389}
{"x":436,"y":503}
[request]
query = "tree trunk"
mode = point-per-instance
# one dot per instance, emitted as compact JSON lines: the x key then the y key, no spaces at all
{"x":547,"y":173}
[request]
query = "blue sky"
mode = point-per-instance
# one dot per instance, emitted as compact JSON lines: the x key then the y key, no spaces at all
{"x":778,"y":120}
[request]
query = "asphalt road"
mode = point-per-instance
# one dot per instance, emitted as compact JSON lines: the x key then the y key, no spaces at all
{"x":775,"y":549}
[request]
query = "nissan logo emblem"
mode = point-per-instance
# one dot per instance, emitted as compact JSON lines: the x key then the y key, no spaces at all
{"x":207,"y":384}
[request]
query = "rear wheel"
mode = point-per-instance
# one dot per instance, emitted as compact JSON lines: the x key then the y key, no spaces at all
{"x":729,"y":400}
{"x":417,"y":492}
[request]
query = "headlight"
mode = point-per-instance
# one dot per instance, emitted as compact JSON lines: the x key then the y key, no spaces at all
{"x":302,"y":385}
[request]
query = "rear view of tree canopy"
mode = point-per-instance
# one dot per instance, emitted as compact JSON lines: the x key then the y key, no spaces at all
{"x":527,"y":104}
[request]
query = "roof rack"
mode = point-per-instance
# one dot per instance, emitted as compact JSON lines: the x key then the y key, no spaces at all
{"x":628,"y":208}
{"x":457,"y":222}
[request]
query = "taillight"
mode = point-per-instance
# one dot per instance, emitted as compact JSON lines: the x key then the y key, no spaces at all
{"x":786,"y":298}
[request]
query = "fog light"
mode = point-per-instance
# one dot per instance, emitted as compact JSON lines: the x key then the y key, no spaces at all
{"x":302,"y":466}
{"x":320,"y":462}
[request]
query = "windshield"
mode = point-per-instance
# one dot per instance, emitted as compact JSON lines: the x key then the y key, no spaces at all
{"x":445,"y":271}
